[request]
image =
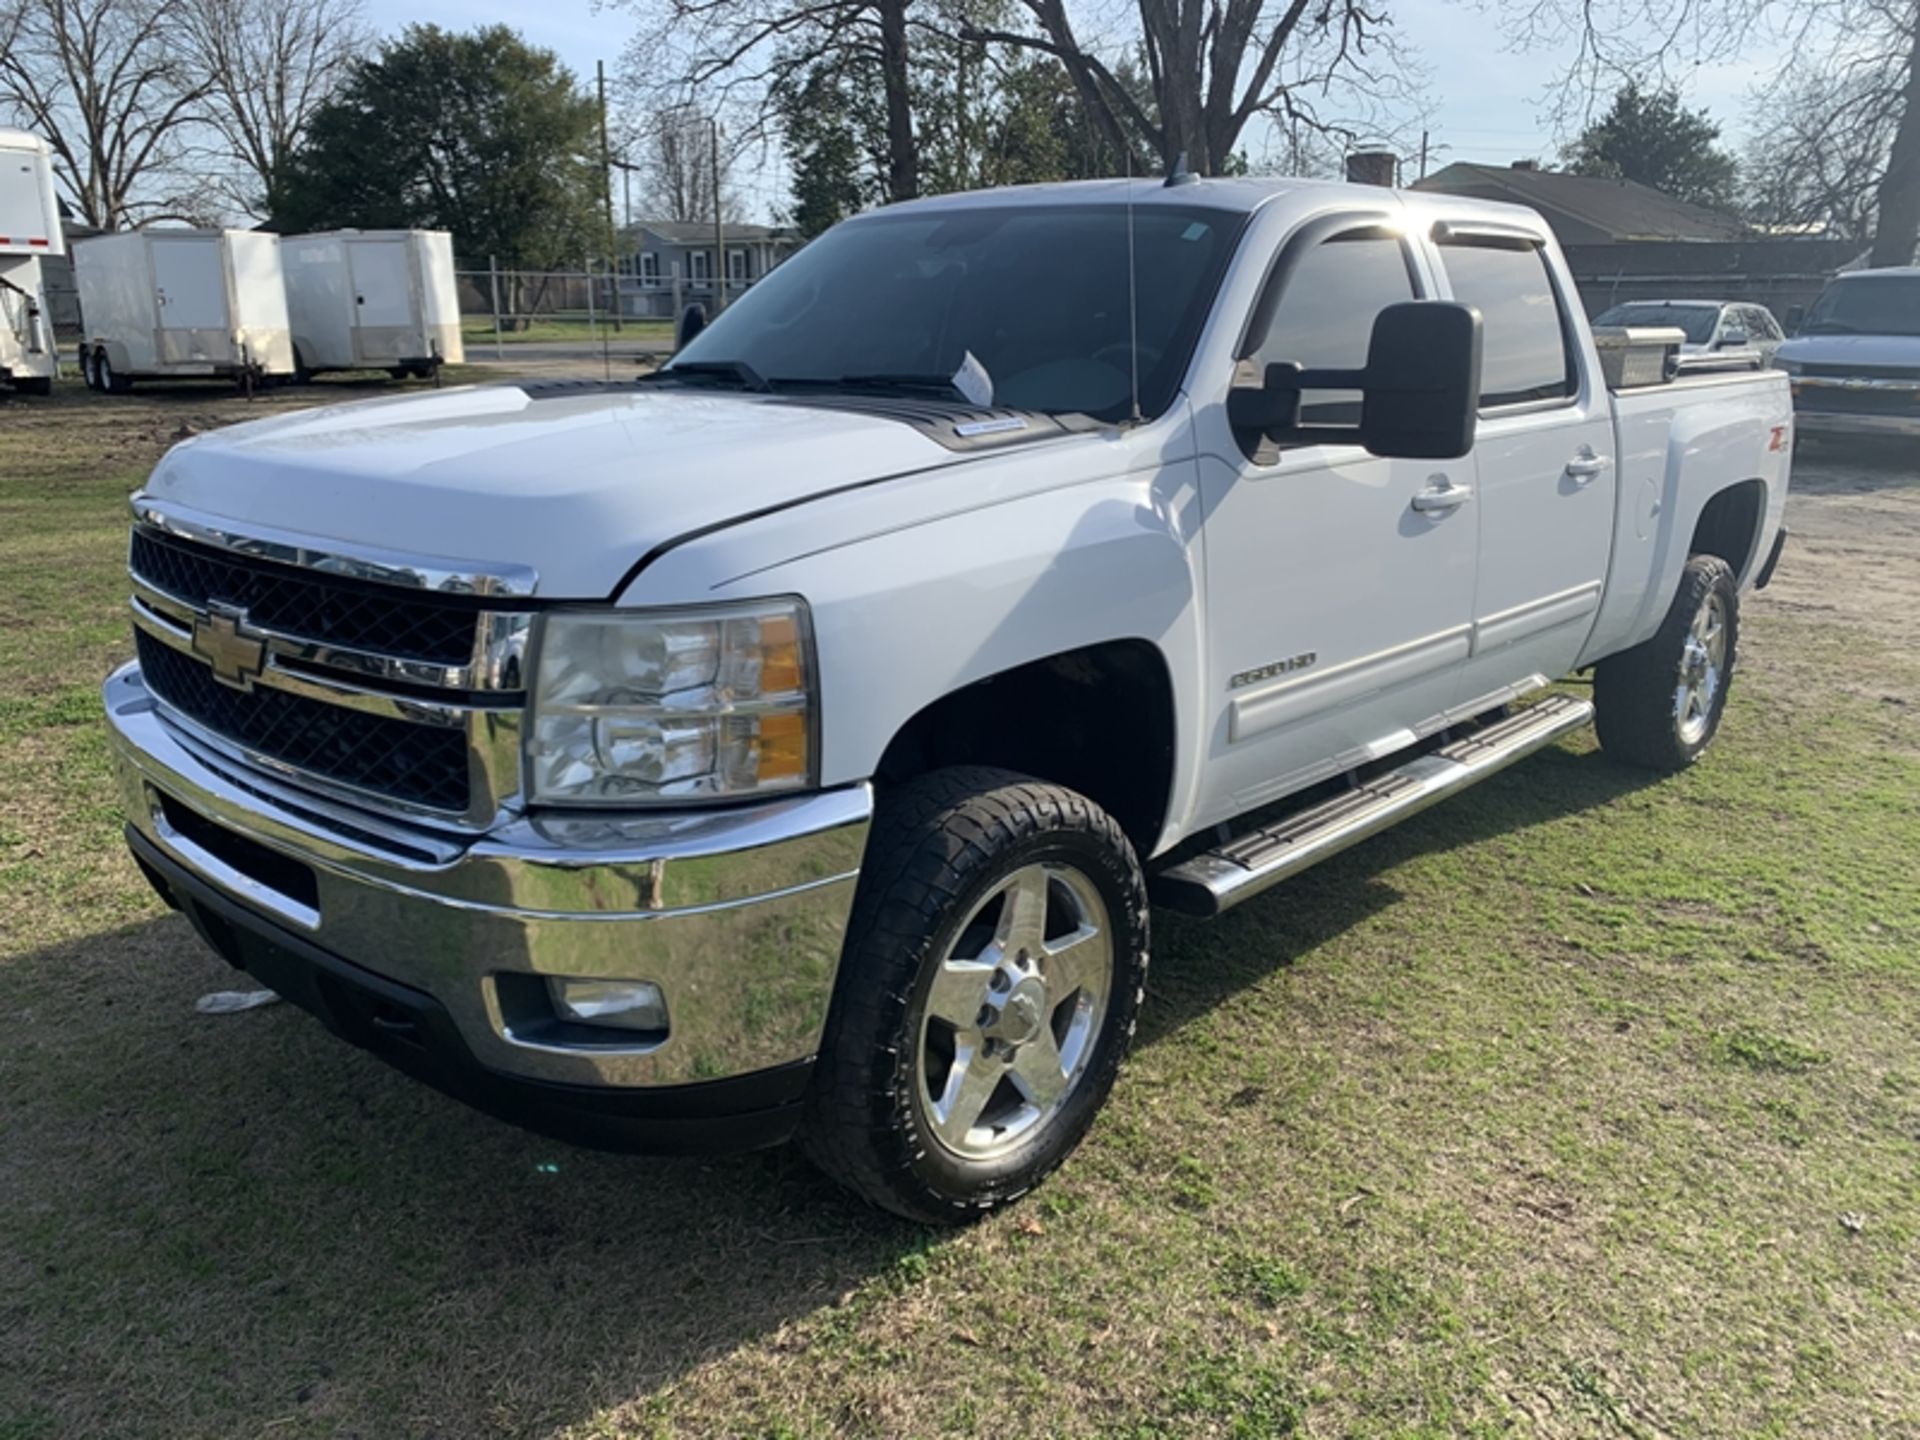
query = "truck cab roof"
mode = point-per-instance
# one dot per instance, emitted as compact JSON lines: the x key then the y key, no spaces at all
{"x":1245,"y":194}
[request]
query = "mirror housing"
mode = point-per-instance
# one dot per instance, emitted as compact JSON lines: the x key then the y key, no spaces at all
{"x":1420,"y":388}
{"x":1732,"y":339}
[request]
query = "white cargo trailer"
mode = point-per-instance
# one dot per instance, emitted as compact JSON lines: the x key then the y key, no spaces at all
{"x":373,"y":300}
{"x":29,"y":228}
{"x":175,"y":304}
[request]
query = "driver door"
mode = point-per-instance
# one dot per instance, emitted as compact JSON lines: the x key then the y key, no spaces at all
{"x":1338,"y":614}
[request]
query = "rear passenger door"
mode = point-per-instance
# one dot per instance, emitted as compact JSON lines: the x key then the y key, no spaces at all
{"x":1544,"y":476}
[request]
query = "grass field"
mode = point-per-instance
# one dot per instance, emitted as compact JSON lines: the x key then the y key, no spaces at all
{"x":1580,"y":1106}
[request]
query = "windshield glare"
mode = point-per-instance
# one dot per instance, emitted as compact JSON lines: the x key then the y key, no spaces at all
{"x":1878,"y":305}
{"x":1037,"y":294}
{"x":1696,"y":320}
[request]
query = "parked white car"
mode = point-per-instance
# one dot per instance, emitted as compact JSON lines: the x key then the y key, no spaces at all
{"x":1712,"y":327}
{"x":1855,"y":357}
{"x":790,"y":742}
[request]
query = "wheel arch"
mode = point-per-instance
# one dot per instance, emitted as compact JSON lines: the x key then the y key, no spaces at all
{"x":1099,"y":719}
{"x":1730,"y":526}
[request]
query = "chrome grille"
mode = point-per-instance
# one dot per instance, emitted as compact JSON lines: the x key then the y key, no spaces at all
{"x":391,"y":683}
{"x":337,"y":612}
{"x":423,"y":765}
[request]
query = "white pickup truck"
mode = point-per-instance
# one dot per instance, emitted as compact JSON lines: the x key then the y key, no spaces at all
{"x":790,"y":742}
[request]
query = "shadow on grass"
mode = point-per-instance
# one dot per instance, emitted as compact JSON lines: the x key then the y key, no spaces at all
{"x":266,"y":1227}
{"x":1199,"y":964}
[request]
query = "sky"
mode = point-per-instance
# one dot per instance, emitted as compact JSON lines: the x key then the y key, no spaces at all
{"x":1483,"y":102}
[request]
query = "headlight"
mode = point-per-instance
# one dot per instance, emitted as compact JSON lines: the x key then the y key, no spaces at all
{"x":648,"y":707}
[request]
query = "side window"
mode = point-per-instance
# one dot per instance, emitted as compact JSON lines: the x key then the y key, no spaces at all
{"x":1525,"y":354}
{"x":1324,"y":318}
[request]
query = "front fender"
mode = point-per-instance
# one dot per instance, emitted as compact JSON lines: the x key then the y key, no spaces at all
{"x":930,"y":583}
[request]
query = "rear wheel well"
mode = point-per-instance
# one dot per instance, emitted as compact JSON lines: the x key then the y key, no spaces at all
{"x":1730,"y":525}
{"x":1098,"y":720}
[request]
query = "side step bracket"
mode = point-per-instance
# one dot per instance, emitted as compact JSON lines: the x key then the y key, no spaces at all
{"x":1221,"y":878}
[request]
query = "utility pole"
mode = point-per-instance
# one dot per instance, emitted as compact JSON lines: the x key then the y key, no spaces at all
{"x":606,"y":188}
{"x":719,"y":227}
{"x":1423,"y":154}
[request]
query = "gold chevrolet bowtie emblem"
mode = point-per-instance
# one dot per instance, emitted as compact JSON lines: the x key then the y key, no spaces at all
{"x":222,"y":639}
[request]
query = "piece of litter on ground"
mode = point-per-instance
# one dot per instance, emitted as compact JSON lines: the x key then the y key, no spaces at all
{"x":547,"y":1167}
{"x":1854,"y":1221}
{"x":232,"y":1002}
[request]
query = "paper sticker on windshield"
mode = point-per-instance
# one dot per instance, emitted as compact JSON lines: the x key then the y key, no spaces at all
{"x":972,"y":381}
{"x":1194,"y":231}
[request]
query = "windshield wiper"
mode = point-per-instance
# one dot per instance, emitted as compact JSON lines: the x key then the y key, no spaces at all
{"x":743,"y":375}
{"x":940,"y":385}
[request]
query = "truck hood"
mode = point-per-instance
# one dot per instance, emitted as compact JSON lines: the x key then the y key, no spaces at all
{"x":577,"y":484}
{"x":1852,"y":350}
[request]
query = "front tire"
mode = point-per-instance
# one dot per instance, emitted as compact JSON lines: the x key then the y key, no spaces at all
{"x":1659,"y":704}
{"x":993,"y":970}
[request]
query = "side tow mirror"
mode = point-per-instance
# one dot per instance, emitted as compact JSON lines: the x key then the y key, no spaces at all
{"x":1420,"y":389}
{"x":693,"y":320}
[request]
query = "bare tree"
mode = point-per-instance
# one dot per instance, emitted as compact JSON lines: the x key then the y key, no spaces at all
{"x":109,"y":86}
{"x":673,"y":153}
{"x":1817,"y":160}
{"x":1216,"y":65}
{"x":269,"y":65}
{"x":1617,"y":40}
{"x":738,"y":55}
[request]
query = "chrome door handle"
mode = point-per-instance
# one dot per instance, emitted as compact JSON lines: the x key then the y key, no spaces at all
{"x":1586,"y":465}
{"x":1442,"y":497}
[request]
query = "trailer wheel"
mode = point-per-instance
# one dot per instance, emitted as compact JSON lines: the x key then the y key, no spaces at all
{"x":88,"y":375}
{"x":301,"y":374}
{"x":400,"y":372}
{"x":110,"y":383}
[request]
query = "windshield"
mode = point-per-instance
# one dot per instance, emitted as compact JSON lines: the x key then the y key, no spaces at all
{"x":1037,"y":295}
{"x":1696,"y":320}
{"x":1870,"y":305}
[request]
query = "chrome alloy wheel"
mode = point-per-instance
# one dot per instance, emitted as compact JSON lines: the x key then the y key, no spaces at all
{"x":1012,"y":1013}
{"x":1703,"y":657}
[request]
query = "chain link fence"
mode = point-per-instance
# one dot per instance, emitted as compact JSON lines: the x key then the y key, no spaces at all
{"x":594,"y":304}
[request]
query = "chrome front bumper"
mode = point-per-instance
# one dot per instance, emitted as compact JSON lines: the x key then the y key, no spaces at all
{"x":736,"y":914}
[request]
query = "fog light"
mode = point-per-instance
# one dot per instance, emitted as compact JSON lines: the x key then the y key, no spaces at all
{"x":624,"y":1004}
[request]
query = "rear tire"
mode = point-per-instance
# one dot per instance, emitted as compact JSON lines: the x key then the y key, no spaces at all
{"x":993,"y":970}
{"x":1659,"y":704}
{"x":89,"y":372}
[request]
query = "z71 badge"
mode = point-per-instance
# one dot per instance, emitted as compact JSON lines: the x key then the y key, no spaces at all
{"x":1267,"y":672}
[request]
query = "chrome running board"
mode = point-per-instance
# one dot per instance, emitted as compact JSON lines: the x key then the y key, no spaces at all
{"x":1219,"y":879}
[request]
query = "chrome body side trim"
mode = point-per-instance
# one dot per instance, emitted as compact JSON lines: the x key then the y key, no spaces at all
{"x":1257,"y":710}
{"x":1529,"y":618}
{"x":737,"y":914}
{"x":355,"y":562}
